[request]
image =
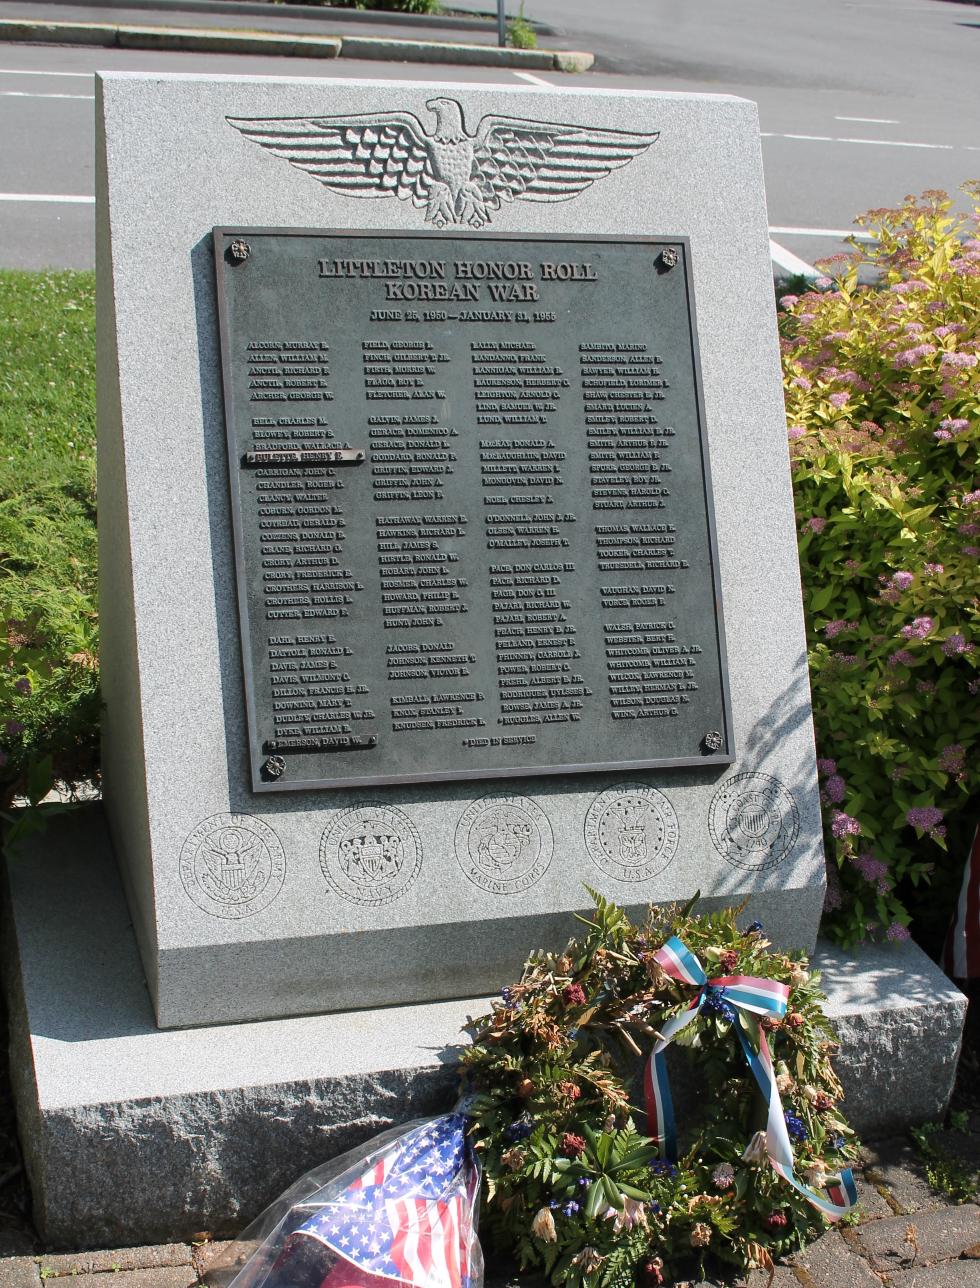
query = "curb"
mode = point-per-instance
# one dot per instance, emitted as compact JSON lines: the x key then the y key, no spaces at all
{"x":294,"y":46}
{"x":475,"y":21}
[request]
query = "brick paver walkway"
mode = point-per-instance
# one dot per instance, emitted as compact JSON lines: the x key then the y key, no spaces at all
{"x":908,"y":1236}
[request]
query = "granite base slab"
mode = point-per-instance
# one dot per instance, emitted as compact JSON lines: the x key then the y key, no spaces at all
{"x":134,"y":1135}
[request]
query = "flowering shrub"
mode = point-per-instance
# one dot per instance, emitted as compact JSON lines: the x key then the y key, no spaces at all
{"x":882,"y":389}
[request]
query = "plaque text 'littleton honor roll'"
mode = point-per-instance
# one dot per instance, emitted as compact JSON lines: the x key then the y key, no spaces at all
{"x":472,"y":508}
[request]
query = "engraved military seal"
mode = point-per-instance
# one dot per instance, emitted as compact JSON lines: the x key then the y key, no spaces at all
{"x":504,"y":843}
{"x":232,"y":865}
{"x":753,"y":821}
{"x":371,"y":855}
{"x":631,"y":832}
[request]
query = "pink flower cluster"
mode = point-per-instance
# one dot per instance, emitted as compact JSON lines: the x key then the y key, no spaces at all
{"x":919,"y":629}
{"x":897,"y":933}
{"x":954,"y":424}
{"x":842,"y":825}
{"x":902,"y":580}
{"x":952,"y":758}
{"x":971,"y":498}
{"x":956,"y":644}
{"x":816,"y":524}
{"x":933,"y":568}
{"x":795,"y":431}
{"x":906,"y":288}
{"x":958,"y":361}
{"x":924,"y":817}
{"x":834,"y":789}
{"x":826,"y":766}
{"x":874,"y":871}
{"x":839,"y":400}
{"x":910,"y":357}
{"x":901,"y":657}
{"x":833,"y":629}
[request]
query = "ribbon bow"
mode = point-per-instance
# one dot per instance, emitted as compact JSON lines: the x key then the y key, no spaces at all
{"x":735,"y":997}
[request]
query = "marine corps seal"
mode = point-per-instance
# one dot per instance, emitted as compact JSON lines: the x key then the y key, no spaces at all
{"x":371,"y":855}
{"x":631,"y":832}
{"x":504,"y":843}
{"x":753,"y":821}
{"x":232,"y":865}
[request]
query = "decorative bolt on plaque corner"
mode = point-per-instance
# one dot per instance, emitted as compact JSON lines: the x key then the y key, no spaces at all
{"x":274,"y":768}
{"x":239,"y":250}
{"x":371,"y":740}
{"x":712,"y":740}
{"x":668,"y":259}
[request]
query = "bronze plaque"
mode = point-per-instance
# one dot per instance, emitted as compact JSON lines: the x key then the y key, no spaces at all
{"x":472,"y":511}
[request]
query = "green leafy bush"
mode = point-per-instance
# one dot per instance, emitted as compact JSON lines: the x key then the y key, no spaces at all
{"x":521,"y":33}
{"x":883,"y":403}
{"x":49,"y":706}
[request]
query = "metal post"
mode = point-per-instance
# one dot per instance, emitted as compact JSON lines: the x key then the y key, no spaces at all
{"x":501,"y":24}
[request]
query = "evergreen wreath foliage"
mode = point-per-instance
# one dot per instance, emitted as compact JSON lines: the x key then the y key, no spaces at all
{"x":572,"y":1188}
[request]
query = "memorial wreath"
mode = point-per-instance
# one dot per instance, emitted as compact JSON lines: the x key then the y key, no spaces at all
{"x":572,"y":1188}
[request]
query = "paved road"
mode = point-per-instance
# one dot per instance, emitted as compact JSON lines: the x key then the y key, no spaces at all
{"x":860,"y":102}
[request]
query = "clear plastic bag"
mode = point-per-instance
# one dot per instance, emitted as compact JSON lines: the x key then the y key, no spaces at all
{"x":400,"y":1210}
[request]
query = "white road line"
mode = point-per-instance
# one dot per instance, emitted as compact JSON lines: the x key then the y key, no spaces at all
{"x":19,"y":93}
{"x":786,"y":231}
{"x":789,"y":262}
{"x":898,"y":143}
{"x":535,"y":80}
{"x":869,"y":120}
{"x":881,"y":143}
{"x":18,"y":71}
{"x":46,"y":196}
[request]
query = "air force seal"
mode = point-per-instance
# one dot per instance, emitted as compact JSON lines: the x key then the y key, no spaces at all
{"x":631,"y":832}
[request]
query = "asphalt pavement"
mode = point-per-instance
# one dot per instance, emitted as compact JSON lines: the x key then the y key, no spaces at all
{"x":860,"y":101}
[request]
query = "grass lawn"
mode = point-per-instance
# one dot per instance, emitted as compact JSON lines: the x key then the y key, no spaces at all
{"x":48,"y":552}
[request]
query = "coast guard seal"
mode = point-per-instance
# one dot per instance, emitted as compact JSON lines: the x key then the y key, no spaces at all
{"x":753,"y":821}
{"x":371,"y":855}
{"x":631,"y":832}
{"x":504,"y":843}
{"x":232,"y":865}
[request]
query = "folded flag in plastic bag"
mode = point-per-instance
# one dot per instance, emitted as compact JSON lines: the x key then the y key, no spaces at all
{"x":408,"y":1219}
{"x":961,"y":955}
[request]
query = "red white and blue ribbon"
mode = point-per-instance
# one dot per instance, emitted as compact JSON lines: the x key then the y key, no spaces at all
{"x":747,"y":996}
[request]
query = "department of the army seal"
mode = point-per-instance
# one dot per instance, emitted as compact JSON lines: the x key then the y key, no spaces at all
{"x":753,"y":821}
{"x":232,"y":865}
{"x":504,"y":843}
{"x":631,"y":832}
{"x":371,"y":855}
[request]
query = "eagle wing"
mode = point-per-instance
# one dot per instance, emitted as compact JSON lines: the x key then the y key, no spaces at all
{"x":377,"y":154}
{"x":546,"y":161}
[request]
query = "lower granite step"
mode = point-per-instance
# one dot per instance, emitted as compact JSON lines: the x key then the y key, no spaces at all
{"x":136,"y":1135}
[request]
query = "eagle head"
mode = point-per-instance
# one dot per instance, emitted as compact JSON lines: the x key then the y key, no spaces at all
{"x":449,"y":120}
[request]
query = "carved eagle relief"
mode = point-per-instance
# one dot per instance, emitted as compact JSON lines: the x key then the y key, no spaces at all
{"x":456,"y":177}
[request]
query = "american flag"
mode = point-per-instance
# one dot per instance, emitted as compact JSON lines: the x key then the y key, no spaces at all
{"x":961,"y":956}
{"x":409,"y":1219}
